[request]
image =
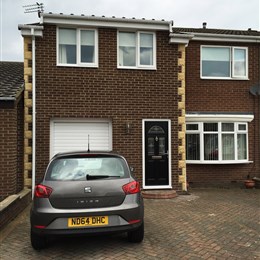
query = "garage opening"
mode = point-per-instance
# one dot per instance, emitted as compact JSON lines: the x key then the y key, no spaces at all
{"x":75,"y":135}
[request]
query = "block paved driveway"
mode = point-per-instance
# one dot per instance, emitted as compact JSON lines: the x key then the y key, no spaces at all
{"x":208,"y":224}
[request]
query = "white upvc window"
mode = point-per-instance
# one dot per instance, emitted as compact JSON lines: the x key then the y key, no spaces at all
{"x":217,"y":142}
{"x":136,"y":50}
{"x":219,"y":62}
{"x":77,"y":47}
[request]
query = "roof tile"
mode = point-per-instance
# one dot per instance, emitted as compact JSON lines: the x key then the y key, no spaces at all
{"x":11,"y":79}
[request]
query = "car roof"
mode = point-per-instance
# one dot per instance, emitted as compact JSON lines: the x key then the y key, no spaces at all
{"x":87,"y":153}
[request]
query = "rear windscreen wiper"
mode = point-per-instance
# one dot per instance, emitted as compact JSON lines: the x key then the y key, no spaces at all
{"x":96,"y":177}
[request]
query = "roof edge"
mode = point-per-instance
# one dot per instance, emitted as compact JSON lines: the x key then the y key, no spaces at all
{"x":97,"y":21}
{"x":224,"y":37}
{"x":31,"y":30}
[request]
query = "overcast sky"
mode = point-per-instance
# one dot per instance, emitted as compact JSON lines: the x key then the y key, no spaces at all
{"x":224,"y":14}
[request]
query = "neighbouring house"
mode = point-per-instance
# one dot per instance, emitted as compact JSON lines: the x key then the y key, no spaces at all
{"x":175,"y":102}
{"x":12,"y":191}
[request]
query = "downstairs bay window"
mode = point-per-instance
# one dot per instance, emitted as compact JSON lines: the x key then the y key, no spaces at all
{"x":216,"y":142}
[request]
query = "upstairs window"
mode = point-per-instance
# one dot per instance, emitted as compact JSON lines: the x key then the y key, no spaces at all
{"x":224,"y":62}
{"x":77,"y":47}
{"x":216,"y":142}
{"x":136,"y":50}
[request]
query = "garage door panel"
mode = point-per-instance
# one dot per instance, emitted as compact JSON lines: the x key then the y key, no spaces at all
{"x":69,"y":136}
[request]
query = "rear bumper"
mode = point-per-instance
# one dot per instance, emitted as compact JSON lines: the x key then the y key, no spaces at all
{"x":46,"y":220}
{"x":86,"y":231}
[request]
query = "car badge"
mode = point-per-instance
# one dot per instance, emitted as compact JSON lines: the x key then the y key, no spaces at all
{"x":87,"y":189}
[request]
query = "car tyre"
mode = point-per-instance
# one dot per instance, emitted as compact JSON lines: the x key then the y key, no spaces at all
{"x":137,"y":235}
{"x":38,"y":242}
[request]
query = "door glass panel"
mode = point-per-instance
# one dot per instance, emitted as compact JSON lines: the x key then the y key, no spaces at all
{"x":156,"y":130}
{"x":150,"y":146}
{"x":161,"y":145}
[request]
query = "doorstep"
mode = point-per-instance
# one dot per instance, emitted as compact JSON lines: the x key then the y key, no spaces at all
{"x":159,"y":194}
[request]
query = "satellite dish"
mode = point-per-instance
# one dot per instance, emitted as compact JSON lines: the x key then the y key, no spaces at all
{"x":255,"y":90}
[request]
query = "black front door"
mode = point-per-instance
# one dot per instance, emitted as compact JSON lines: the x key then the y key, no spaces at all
{"x":156,"y":153}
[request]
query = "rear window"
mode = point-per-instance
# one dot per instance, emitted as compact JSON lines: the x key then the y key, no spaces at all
{"x":73,"y":169}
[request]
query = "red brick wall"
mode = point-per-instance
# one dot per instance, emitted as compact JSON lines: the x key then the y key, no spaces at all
{"x":106,"y":92}
{"x":8,"y":149}
{"x":204,"y":95}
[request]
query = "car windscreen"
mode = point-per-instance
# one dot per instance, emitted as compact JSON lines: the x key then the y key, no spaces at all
{"x":86,"y":168}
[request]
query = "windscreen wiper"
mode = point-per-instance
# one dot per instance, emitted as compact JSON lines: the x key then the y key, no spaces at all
{"x":96,"y":177}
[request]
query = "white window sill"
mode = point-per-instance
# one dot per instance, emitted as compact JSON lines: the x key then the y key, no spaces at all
{"x":137,"y":68}
{"x":219,"y":162}
{"x":78,"y":65}
{"x":221,"y":78}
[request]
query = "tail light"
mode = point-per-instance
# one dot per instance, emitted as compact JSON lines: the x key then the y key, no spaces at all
{"x":40,"y":227}
{"x":134,"y":221}
{"x":131,"y":187}
{"x":42,"y":191}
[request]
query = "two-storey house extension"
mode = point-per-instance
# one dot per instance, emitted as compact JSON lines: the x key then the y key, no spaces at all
{"x":106,"y":84}
{"x":139,"y":87}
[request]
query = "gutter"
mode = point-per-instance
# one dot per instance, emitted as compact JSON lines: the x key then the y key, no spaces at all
{"x":225,"y":37}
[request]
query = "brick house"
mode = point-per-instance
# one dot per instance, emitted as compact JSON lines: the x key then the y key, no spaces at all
{"x":128,"y":85}
{"x":12,"y":194}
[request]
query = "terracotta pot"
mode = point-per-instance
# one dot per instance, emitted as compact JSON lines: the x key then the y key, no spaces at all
{"x":249,"y":184}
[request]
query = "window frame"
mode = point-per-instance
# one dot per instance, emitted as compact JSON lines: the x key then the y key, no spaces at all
{"x":232,"y":75}
{"x":137,"y":46}
{"x":220,"y":159}
{"x":78,"y":48}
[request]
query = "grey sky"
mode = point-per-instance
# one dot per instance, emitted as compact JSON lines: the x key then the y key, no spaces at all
{"x":225,"y":14}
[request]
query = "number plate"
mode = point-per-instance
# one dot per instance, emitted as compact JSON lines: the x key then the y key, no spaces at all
{"x":88,"y":221}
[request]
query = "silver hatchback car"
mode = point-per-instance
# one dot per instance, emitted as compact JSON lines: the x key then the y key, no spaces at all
{"x":85,"y":193}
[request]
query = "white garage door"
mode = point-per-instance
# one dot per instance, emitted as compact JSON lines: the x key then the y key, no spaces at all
{"x":75,"y":135}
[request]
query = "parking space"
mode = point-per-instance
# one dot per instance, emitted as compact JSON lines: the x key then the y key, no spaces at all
{"x":208,"y":224}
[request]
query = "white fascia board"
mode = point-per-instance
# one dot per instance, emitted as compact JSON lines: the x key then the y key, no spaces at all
{"x":93,"y":21}
{"x":225,"y":38}
{"x":30,"y":30}
{"x":219,"y":118}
